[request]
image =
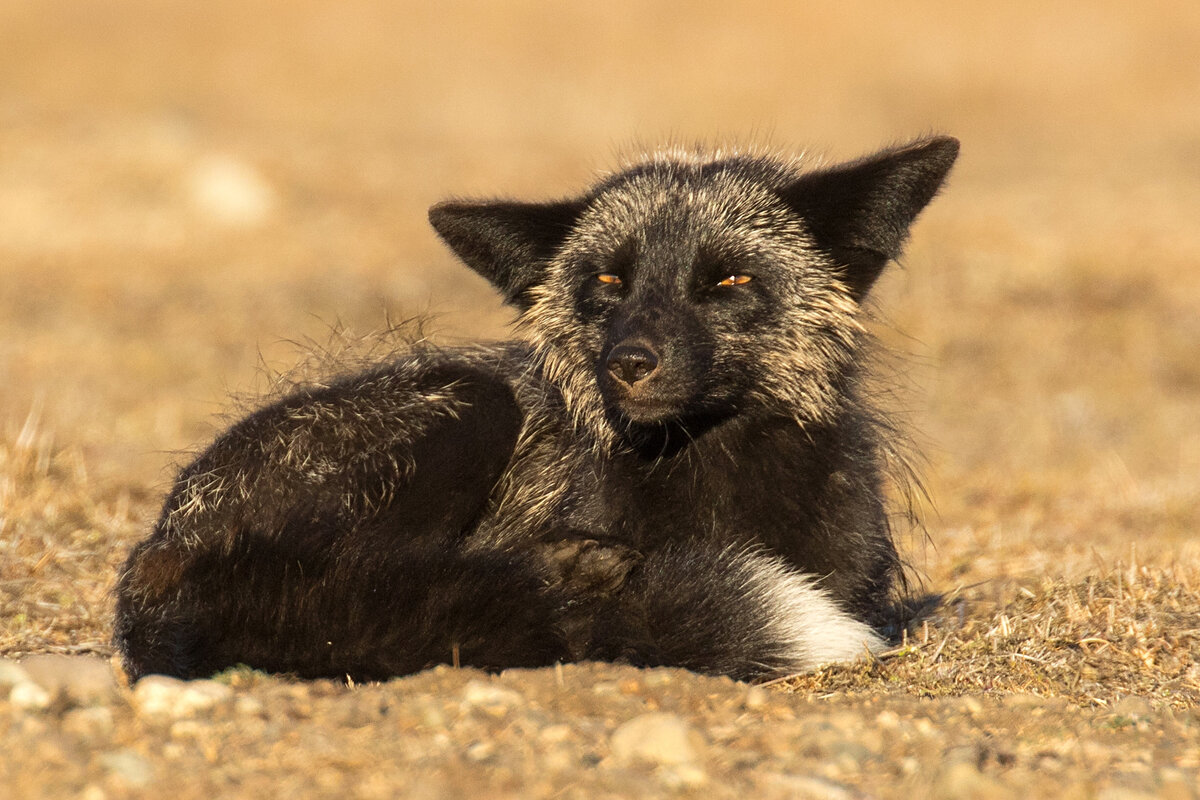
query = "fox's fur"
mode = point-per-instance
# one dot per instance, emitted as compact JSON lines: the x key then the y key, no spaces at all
{"x":675,"y":464}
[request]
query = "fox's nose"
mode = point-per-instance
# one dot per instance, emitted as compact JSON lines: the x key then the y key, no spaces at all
{"x":630,"y":363}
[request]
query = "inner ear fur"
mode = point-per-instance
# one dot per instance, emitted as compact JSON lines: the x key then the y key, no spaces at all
{"x":859,"y":212}
{"x":509,"y":243}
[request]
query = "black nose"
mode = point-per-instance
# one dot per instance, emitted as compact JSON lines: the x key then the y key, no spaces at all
{"x":631,"y":363}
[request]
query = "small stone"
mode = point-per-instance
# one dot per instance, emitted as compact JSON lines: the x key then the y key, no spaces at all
{"x":87,"y":680}
{"x":1024,"y":701}
{"x":657,"y":678}
{"x":848,"y":753}
{"x":92,"y":792}
{"x":962,"y":780}
{"x":480,"y":751}
{"x":31,"y":725}
{"x":846,"y":722}
{"x":657,"y":738}
{"x":756,"y":698}
{"x":1125,"y":793}
{"x":429,"y":711}
{"x":11,"y":674}
{"x":492,"y":699}
{"x":163,"y":697}
{"x":807,"y":787}
{"x":185,"y":729}
{"x":965,"y":753}
{"x":299,"y":691}
{"x":552,"y":734}
{"x":558,"y":759}
{"x":1173,"y":784}
{"x":1134,"y":707}
{"x":683,"y":776}
{"x":89,"y":723}
{"x":229,"y":191}
{"x":129,"y":767}
{"x":971,"y":705}
{"x":888,"y":720}
{"x":247,"y":706}
{"x":28,"y":696}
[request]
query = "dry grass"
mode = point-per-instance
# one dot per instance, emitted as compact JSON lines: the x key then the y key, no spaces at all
{"x":1128,"y":630}
{"x":61,"y":539}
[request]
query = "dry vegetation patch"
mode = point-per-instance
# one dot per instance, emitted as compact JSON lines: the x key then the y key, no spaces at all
{"x":62,"y":535}
{"x":1128,"y":630}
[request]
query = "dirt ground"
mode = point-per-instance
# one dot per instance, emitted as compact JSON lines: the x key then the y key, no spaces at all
{"x":191,"y":195}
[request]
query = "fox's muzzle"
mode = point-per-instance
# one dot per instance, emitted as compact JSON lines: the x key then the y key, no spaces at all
{"x":631,"y":362}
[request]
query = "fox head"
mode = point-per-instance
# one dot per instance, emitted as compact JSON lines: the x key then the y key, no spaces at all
{"x":686,"y":288}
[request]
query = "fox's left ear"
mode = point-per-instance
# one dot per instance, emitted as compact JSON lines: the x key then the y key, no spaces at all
{"x":859,"y":213}
{"x":508,"y":243}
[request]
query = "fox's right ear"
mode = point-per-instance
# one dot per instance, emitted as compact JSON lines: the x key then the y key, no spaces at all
{"x":860,"y":212}
{"x":508,"y":243}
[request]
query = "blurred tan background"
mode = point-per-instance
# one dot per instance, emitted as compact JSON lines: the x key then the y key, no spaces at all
{"x":187,"y":186}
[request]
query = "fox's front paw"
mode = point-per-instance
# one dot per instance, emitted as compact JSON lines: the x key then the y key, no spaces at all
{"x":584,"y":569}
{"x":585,"y":574}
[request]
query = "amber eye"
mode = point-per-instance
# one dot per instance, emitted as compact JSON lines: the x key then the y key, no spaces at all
{"x":735,"y":280}
{"x":609,"y":278}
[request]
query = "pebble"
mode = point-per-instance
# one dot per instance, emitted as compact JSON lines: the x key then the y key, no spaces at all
{"x":248,"y":706}
{"x":1133,"y":706}
{"x":1125,"y":793}
{"x":558,"y":759}
{"x":185,"y":729}
{"x":888,"y":720}
{"x":230,"y":192}
{"x":552,"y":734}
{"x":128,"y":766}
{"x":89,"y":723}
{"x":92,"y":792}
{"x":971,"y":705}
{"x":170,"y":698}
{"x":1024,"y":701}
{"x":430,"y":712}
{"x":658,"y":678}
{"x":491,"y":699}
{"x":1174,"y":784}
{"x":962,"y":780}
{"x":847,"y":752}
{"x":657,"y":738}
{"x":481,"y":751}
{"x":755,"y":699}
{"x":11,"y":673}
{"x":807,"y":787}
{"x":683,"y":776}
{"x":85,"y":680}
{"x":28,"y":696}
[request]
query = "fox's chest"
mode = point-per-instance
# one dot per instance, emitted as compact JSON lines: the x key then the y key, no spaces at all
{"x":647,"y":507}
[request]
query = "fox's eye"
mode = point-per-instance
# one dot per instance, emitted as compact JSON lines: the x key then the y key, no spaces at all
{"x":609,"y":278}
{"x":735,"y":280}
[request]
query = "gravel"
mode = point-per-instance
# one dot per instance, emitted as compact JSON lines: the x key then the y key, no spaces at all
{"x":585,"y":730}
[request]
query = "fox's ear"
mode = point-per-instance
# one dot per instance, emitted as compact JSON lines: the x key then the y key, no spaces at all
{"x":508,"y":243}
{"x":859,"y":212}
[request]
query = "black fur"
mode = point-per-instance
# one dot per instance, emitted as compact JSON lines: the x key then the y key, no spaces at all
{"x":674,"y":466}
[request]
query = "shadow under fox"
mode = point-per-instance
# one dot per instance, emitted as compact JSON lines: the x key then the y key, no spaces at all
{"x":673,"y":465}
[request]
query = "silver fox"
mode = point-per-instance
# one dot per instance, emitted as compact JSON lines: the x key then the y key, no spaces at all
{"x":674,"y":464}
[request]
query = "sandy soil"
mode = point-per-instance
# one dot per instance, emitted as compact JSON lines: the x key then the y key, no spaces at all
{"x":192,"y":196}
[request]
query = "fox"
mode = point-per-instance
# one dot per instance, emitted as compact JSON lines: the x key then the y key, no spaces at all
{"x":675,"y":461}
